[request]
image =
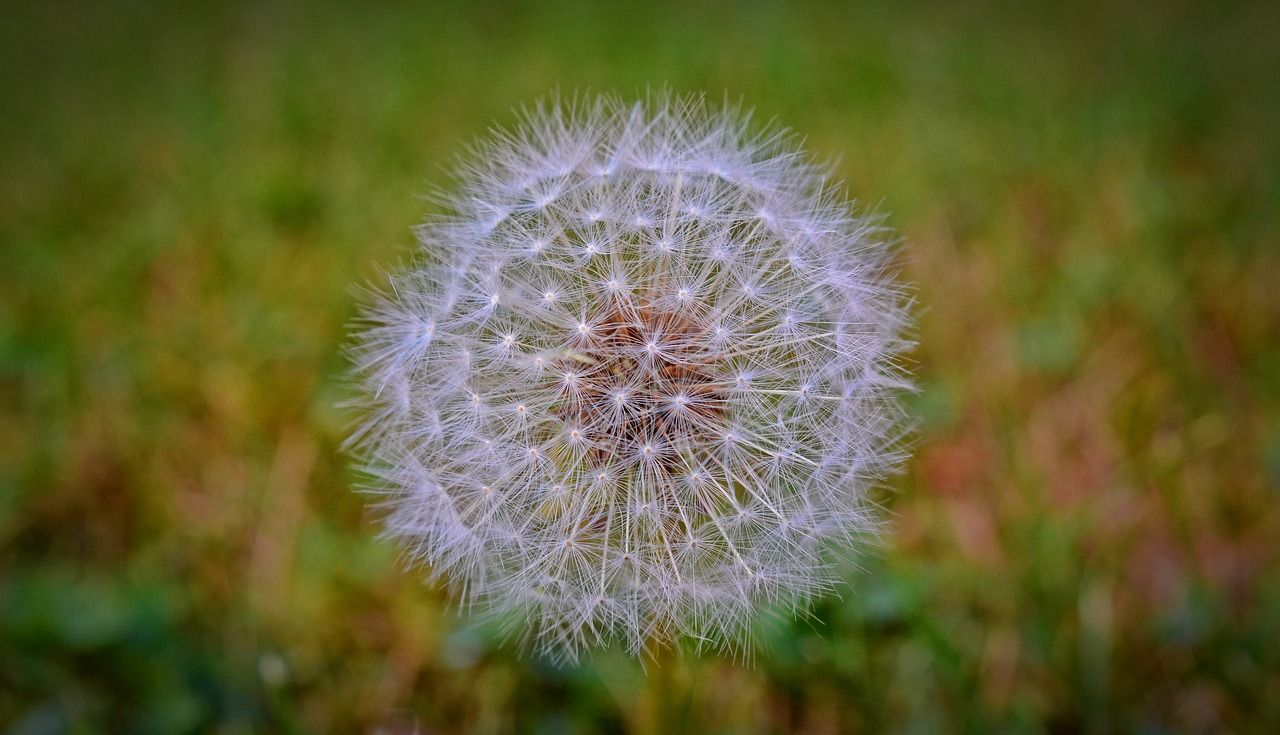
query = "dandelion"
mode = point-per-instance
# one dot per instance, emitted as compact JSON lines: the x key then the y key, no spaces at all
{"x":641,"y":380}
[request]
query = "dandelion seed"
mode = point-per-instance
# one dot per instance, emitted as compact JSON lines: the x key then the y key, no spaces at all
{"x":713,"y":339}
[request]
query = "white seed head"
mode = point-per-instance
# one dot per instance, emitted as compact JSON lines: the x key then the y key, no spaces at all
{"x":715,"y":334}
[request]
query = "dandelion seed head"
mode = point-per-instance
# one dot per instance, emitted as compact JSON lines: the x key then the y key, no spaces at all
{"x":714,"y":336}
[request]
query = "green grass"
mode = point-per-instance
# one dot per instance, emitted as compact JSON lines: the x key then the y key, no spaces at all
{"x":1085,"y":540}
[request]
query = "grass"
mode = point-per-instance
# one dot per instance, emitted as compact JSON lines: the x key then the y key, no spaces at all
{"x":1083,"y":542}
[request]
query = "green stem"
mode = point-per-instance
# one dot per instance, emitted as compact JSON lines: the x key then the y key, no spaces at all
{"x":659,"y":710}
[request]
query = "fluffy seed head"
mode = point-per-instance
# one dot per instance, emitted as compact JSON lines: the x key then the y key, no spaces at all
{"x":640,"y":381}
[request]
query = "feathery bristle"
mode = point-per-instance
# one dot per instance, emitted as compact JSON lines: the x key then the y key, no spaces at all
{"x":640,"y":381}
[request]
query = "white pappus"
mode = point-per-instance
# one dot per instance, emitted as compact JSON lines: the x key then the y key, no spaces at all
{"x":640,"y":380}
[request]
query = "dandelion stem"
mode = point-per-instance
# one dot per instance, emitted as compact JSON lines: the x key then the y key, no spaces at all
{"x":659,"y":709}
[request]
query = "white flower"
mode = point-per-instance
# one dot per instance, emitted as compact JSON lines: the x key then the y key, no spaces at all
{"x":640,"y":382}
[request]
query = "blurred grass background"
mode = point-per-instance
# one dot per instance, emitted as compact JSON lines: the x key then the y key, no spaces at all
{"x":1085,"y":541}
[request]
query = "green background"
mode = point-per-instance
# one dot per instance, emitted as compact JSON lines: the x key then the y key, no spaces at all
{"x":1085,"y":540}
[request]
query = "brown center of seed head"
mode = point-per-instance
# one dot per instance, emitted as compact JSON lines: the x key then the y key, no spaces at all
{"x":645,"y":384}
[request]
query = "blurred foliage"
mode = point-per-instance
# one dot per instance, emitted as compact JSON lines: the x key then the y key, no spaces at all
{"x":1086,"y":540}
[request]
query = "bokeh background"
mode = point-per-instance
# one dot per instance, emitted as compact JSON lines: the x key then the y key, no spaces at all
{"x":1085,"y":541}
